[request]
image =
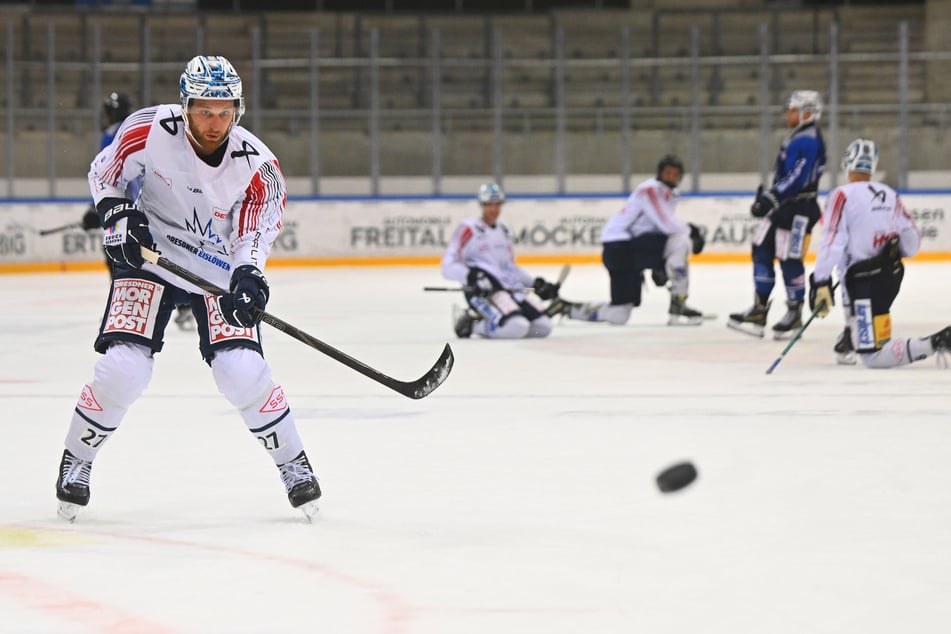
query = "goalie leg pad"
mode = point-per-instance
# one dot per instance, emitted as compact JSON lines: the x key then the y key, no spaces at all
{"x":119,"y":378}
{"x":244,"y":378}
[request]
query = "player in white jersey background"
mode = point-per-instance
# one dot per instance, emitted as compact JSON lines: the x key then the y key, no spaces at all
{"x":481,"y":256}
{"x":867,"y":233}
{"x":186,"y":180}
{"x":645,"y":234}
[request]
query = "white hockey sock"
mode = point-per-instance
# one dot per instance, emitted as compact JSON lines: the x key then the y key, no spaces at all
{"x":119,"y":378}
{"x":244,"y":378}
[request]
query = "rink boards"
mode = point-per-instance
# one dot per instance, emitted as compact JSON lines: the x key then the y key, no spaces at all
{"x":415,"y":230}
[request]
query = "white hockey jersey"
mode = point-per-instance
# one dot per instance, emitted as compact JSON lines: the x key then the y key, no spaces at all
{"x":859,"y":219}
{"x":649,"y":209}
{"x":474,"y":243}
{"x":209,"y":220}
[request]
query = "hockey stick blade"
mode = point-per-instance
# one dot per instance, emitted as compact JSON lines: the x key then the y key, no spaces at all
{"x":417,"y":389}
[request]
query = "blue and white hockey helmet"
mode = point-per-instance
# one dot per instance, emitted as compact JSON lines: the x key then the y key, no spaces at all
{"x":860,"y":156}
{"x":806,"y":102}
{"x":211,"y":77}
{"x":491,"y":193}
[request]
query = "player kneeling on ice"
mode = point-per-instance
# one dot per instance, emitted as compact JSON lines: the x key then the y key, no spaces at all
{"x":867,"y":233}
{"x":210,"y":196}
{"x":481,"y":256}
{"x":645,"y":235}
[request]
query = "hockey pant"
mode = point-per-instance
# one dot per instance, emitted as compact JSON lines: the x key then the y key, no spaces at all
{"x":873,"y":285}
{"x":508,"y":315}
{"x":784,"y":235}
{"x":626,"y":261}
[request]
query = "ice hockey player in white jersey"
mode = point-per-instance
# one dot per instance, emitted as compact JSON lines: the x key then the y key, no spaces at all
{"x":210,"y":196}
{"x":645,"y":234}
{"x":867,"y":233}
{"x":481,"y":256}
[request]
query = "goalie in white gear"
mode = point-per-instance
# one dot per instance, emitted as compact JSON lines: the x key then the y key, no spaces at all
{"x":481,"y":256}
{"x":187,"y":181}
{"x":867,"y":233}
{"x":645,"y":235}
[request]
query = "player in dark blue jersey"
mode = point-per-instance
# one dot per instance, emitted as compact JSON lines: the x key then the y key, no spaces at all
{"x":789,"y":211}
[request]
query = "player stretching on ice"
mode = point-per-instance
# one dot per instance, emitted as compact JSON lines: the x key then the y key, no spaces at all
{"x":789,"y":211}
{"x":481,"y":255}
{"x":645,"y":234}
{"x":210,"y":198}
{"x":867,"y":233}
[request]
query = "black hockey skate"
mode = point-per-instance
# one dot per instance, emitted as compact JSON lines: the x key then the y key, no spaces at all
{"x":679,"y":314}
{"x":72,"y":485}
{"x":462,"y":321}
{"x":790,"y":323}
{"x":753,"y":320}
{"x":559,"y":308}
{"x":302,"y":486}
{"x":941,"y":341}
{"x":843,"y":348}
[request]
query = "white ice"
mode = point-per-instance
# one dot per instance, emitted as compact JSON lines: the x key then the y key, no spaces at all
{"x":519,"y":497}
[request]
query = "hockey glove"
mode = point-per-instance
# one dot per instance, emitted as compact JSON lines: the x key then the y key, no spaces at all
{"x":127,"y":230}
{"x":696,"y":238}
{"x":765,"y":202}
{"x":545,"y":289}
{"x":91,"y":219}
{"x":659,"y":276}
{"x":481,"y":282}
{"x":249,"y":294}
{"x":820,"y":296}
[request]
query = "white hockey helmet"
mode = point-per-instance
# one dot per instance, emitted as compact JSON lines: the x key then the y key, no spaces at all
{"x":806,"y":101}
{"x":491,"y":193}
{"x":211,"y":77}
{"x":860,"y":156}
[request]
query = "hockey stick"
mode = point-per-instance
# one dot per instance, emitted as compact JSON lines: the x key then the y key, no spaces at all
{"x":799,"y":332}
{"x":469,"y":289}
{"x":72,"y":225}
{"x":413,"y":389}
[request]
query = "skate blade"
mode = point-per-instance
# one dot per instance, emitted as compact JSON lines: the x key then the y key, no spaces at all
{"x":680,"y":320}
{"x":68,"y":511}
{"x":784,"y":335}
{"x":847,"y":358}
{"x":309,"y":509}
{"x":746,"y":328}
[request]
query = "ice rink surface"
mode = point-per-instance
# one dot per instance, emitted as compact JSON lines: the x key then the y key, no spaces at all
{"x":519,"y":497}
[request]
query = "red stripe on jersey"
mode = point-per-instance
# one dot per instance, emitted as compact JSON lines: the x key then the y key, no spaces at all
{"x":836,"y":216}
{"x":652,"y":195}
{"x":901,"y":209}
{"x":464,"y":238}
{"x":132,"y":140}
{"x":256,"y":197}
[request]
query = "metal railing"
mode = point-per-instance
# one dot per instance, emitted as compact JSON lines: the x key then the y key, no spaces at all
{"x":558,"y":115}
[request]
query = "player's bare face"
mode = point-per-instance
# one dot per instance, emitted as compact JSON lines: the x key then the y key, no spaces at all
{"x":209,"y":121}
{"x":671,"y":175}
{"x":490,"y":213}
{"x":792,"y":117}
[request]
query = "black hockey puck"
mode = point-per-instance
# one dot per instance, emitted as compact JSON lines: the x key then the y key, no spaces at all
{"x":676,"y":477}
